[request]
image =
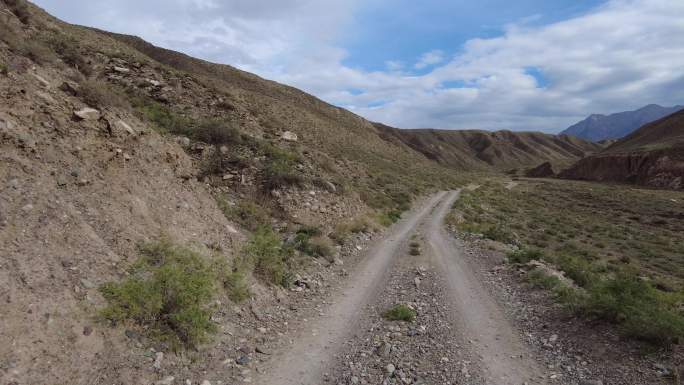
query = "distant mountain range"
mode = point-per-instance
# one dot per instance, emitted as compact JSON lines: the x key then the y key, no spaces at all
{"x":599,"y":127}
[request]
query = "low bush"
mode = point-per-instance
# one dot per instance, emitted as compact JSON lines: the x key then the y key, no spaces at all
{"x":99,"y":94}
{"x":639,"y":309}
{"x":168,"y":292}
{"x":236,"y":286}
{"x":400,"y":312}
{"x":4,"y":69}
{"x":164,"y":119}
{"x":280,"y":168}
{"x":523,"y":256}
{"x":217,"y":132}
{"x":308,"y":241}
{"x":266,"y":254}
{"x":248,"y":214}
{"x":359,"y":225}
{"x":540,"y":279}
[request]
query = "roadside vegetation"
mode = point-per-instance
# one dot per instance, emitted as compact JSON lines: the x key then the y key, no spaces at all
{"x":168,"y":293}
{"x":621,"y":248}
{"x":400,"y":312}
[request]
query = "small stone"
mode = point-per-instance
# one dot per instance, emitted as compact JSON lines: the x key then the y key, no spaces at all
{"x":166,"y":381}
{"x":262,"y":350}
{"x":390,"y":369}
{"x":87,"y":330}
{"x":158,"y":357}
{"x":184,"y":141}
{"x":242,"y":360}
{"x":289,"y":136}
{"x":87,"y":284}
{"x":123,"y":126}
{"x":122,"y":70}
{"x":383,"y":350}
{"x":87,"y":114}
{"x":553,"y":338}
{"x":354,"y":380}
{"x":27,"y":208}
{"x":206,"y":382}
{"x":339,"y":262}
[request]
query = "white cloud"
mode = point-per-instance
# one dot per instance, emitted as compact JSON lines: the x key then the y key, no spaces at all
{"x":623,"y":55}
{"x":430,"y":58}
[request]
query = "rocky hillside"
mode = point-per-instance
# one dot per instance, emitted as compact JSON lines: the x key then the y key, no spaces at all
{"x":652,"y":156}
{"x":483,"y":150}
{"x":126,"y":168}
{"x":599,"y":127}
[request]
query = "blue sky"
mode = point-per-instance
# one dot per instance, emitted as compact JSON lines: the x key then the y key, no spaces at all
{"x":489,"y":64}
{"x":411,"y":28}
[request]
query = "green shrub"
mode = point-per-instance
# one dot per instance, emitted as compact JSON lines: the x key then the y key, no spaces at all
{"x":248,"y":214}
{"x":164,"y":119}
{"x":638,"y":308}
{"x":265,"y":252}
{"x":280,"y":172}
{"x":400,"y":312}
{"x":217,"y":132}
{"x":578,"y":269}
{"x":524,"y":256}
{"x":168,"y":292}
{"x":236,"y":287}
{"x":99,"y":94}
{"x":4,"y":70}
{"x":540,"y":279}
{"x":308,"y":241}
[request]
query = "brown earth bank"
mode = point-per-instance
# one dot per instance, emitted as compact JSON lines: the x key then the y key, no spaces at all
{"x":651,"y":156}
{"x":661,"y":169}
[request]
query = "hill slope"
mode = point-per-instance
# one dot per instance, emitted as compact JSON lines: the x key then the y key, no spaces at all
{"x":482,"y":150}
{"x":108,"y":143}
{"x":652,"y":156}
{"x":615,"y":126}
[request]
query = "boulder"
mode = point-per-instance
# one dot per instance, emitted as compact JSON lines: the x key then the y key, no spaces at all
{"x":87,"y":114}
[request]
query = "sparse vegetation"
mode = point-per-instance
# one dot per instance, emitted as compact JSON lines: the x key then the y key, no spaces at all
{"x":20,"y":9}
{"x":4,"y":69}
{"x":309,"y":241}
{"x":99,"y":94}
{"x":236,"y":286}
{"x":266,"y":254}
{"x":400,"y":312}
{"x":606,"y":239}
{"x":414,"y":248}
{"x":168,"y":292}
{"x":280,"y":170}
{"x":361,"y":224}
{"x":248,"y":214}
{"x":163,"y":118}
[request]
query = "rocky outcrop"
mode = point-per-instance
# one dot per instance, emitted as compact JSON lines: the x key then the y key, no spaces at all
{"x":664,"y":169}
{"x":544,"y":170}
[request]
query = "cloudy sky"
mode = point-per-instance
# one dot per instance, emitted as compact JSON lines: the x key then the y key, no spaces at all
{"x":534,"y":65}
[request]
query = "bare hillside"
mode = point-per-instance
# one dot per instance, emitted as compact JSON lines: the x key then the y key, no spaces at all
{"x":482,"y":150}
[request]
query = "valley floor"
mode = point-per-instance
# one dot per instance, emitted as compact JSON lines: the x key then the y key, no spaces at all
{"x":476,"y":322}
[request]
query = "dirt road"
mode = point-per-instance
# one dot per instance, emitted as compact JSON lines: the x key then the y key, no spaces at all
{"x":459,"y":325}
{"x":308,"y":359}
{"x":505,"y":360}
